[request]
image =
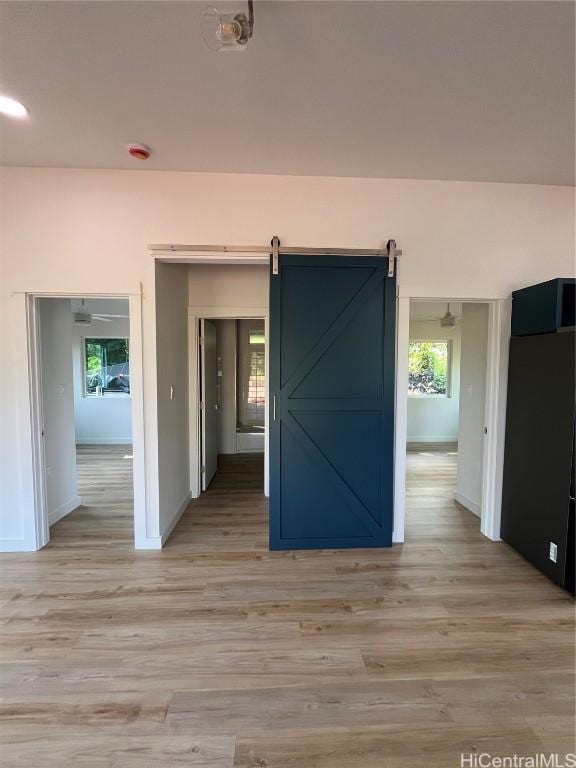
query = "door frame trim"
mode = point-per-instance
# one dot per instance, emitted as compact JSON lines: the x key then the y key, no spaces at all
{"x":32,"y":461}
{"x":195,"y":314}
{"x":498,"y":342}
{"x":203,"y":411}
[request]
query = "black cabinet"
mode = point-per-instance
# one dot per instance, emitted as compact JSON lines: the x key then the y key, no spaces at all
{"x":544,"y":308}
{"x":538,"y":489}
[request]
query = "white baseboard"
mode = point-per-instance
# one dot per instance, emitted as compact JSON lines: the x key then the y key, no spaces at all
{"x":65,"y":509}
{"x":468,"y":503}
{"x":428,"y":439}
{"x":148,"y":542}
{"x":103,"y":441}
{"x":157,"y":542}
{"x":177,"y":515}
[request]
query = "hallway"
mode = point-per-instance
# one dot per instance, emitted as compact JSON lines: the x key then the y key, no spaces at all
{"x":217,"y":653}
{"x":231,"y":515}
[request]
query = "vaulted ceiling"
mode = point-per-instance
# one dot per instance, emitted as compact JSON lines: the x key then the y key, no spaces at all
{"x":478,"y":91}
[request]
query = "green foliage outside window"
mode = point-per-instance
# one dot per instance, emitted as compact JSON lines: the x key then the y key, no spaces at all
{"x":107,"y":366}
{"x":428,"y":368}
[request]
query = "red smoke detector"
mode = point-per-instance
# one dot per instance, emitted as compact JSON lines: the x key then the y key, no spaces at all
{"x":139,"y":151}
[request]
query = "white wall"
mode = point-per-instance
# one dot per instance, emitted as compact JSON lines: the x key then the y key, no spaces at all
{"x":472,"y":405}
{"x":226,"y":339}
{"x":172,"y":394}
{"x":108,"y":419}
{"x":228,"y":286}
{"x":435,"y":419}
{"x":86,"y":231}
{"x":58,"y":407}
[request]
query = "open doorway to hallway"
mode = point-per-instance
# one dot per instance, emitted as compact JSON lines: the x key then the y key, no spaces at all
{"x":232,"y":365}
{"x":447,"y":370}
{"x":84,"y":351}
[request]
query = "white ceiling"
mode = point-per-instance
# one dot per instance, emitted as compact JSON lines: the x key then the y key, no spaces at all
{"x":433,"y":310}
{"x":101,"y":306}
{"x":446,"y":90}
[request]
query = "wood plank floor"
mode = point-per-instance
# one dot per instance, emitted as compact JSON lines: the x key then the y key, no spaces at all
{"x":106,"y":517}
{"x":220,"y":654}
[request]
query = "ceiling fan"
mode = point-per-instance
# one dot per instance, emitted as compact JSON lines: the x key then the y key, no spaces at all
{"x":448,"y":320}
{"x":83,"y":317}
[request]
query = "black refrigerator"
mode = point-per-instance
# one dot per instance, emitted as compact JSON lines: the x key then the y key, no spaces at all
{"x":538,"y":487}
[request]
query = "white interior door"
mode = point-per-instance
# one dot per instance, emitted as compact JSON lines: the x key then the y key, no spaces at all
{"x":209,"y":401}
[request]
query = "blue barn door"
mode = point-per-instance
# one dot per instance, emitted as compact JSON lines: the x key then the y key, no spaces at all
{"x":332,"y":372}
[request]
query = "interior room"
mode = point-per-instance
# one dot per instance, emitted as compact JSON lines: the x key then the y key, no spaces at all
{"x":287,"y":422}
{"x":446,"y":413}
{"x":86,"y":420}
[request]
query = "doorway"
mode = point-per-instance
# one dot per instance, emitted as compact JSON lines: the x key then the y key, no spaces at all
{"x":85,"y":377}
{"x":446,"y":415}
{"x":205,"y":301}
{"x":231,"y":355}
{"x":86,"y":420}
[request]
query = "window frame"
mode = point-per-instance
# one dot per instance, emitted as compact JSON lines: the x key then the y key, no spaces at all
{"x":449,"y":351}
{"x":85,"y":371}
{"x":240,"y":428}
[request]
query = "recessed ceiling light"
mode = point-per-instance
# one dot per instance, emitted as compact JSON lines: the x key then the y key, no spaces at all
{"x":11,"y":107}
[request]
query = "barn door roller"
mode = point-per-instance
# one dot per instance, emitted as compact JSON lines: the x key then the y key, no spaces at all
{"x":275,"y":247}
{"x":391,"y":252}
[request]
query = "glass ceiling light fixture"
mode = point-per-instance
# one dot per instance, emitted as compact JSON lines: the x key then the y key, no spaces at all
{"x":227,"y":31}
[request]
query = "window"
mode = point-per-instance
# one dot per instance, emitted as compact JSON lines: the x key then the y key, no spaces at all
{"x":428,"y":368}
{"x":251,"y":391}
{"x":107,"y":367}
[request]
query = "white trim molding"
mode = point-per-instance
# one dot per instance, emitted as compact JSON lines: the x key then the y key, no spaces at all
{"x":137,"y":412}
{"x":175,"y":518}
{"x":401,"y":417}
{"x":470,"y":505}
{"x":148,"y":542}
{"x":195,"y":314}
{"x":29,"y":407}
{"x":157,"y":542}
{"x":193,"y":406}
{"x":499,"y":320}
{"x":65,"y":509}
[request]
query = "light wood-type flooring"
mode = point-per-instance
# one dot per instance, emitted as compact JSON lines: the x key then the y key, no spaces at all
{"x":217,"y":653}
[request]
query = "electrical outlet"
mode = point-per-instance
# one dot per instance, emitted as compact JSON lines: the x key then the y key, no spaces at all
{"x":553,"y":552}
